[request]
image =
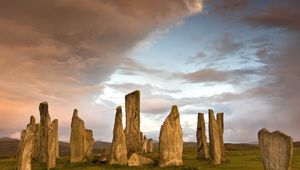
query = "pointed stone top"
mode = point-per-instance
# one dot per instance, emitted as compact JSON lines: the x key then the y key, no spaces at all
{"x":75,"y":113}
{"x":210,"y":111}
{"x":119,"y":108}
{"x":32,"y":120}
{"x":43,"y":107}
{"x":174,"y":111}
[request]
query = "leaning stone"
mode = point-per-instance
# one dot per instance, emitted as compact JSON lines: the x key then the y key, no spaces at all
{"x":118,"y":152}
{"x":77,"y":140}
{"x":276,"y":150}
{"x":170,"y":140}
{"x":132,"y":130}
{"x":26,"y":147}
{"x":214,"y":139}
{"x":202,"y":148}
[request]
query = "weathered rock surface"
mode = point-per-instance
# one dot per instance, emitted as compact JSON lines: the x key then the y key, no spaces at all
{"x":36,"y":142}
{"x":214,"y":139}
{"x":51,"y":146}
{"x":55,"y":129}
{"x":77,"y":139}
{"x":118,"y":152}
{"x":26,"y":146}
{"x":89,"y":142}
{"x":150,"y":145}
{"x":134,"y":160}
{"x":132,"y":130}
{"x":276,"y":150}
{"x":220,"y":120}
{"x":45,"y":122}
{"x":170,"y":140}
{"x":138,"y":160}
{"x":144,"y":147}
{"x":202,"y":147}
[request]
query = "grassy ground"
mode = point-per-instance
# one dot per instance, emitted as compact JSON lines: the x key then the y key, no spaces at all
{"x":239,"y":159}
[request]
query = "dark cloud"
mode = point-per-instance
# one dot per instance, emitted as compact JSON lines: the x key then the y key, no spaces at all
{"x":223,"y":76}
{"x":223,"y":6}
{"x":62,"y":51}
{"x":280,"y":14}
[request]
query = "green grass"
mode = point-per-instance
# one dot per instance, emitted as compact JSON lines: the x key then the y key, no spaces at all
{"x":245,"y":159}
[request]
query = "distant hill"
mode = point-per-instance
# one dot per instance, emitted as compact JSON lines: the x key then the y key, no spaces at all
{"x":9,"y":146}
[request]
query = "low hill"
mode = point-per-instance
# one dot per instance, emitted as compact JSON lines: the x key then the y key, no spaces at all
{"x":9,"y":146}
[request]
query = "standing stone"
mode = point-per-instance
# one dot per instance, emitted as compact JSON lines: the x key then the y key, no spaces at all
{"x":36,"y":141}
{"x":276,"y":150}
{"x":170,"y":140}
{"x":77,"y":139}
{"x":220,"y":120}
{"x":26,"y":146}
{"x":214,"y":139}
{"x":144,"y":147}
{"x":89,"y":142}
{"x":132,"y":130}
{"x":45,"y":122}
{"x":51,"y":150}
{"x":202,"y":148}
{"x":55,"y":128}
{"x":150,"y":145}
{"x":118,"y":152}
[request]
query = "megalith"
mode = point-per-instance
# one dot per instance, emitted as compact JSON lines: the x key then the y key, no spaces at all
{"x":45,"y":123}
{"x":150,"y":145}
{"x":118,"y":152}
{"x":144,"y":146}
{"x":51,"y":146}
{"x":214,"y":139}
{"x":26,"y":146}
{"x":35,"y":155}
{"x":55,"y":129}
{"x":220,"y":120}
{"x":276,"y":150}
{"x":132,"y":129}
{"x":77,"y":139}
{"x":170,"y":140}
{"x":202,"y":147}
{"x":89,"y":142}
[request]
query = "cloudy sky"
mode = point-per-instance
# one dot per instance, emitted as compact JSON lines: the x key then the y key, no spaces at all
{"x":235,"y":56}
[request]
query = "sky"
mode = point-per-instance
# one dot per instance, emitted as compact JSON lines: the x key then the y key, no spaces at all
{"x":239,"y":57}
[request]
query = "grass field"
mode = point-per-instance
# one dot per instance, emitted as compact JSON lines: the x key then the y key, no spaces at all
{"x":239,"y":159}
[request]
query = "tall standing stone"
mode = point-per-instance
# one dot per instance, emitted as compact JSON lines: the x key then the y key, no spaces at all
{"x":220,"y":120}
{"x":89,"y":142}
{"x":36,"y":141}
{"x":170,"y":140}
{"x":26,"y":146}
{"x":144,"y":146}
{"x":202,"y":147}
{"x":214,"y":139}
{"x":150,"y":145}
{"x":118,"y":152}
{"x":77,"y":139}
{"x":132,"y":130}
{"x":45,"y":122}
{"x":55,"y":128}
{"x":276,"y":150}
{"x":51,"y":146}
